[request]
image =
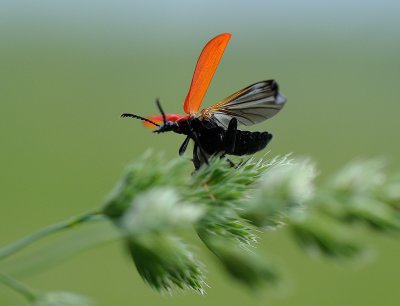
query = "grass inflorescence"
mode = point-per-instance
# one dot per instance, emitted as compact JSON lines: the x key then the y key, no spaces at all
{"x":227,"y":207}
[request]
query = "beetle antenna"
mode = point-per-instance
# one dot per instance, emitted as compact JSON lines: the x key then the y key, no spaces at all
{"x":161,"y":110}
{"x":127,"y":115}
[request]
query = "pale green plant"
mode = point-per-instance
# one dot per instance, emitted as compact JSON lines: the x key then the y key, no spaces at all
{"x":156,"y":200}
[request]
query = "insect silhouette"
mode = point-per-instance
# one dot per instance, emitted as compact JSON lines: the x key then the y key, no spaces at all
{"x":214,"y":129}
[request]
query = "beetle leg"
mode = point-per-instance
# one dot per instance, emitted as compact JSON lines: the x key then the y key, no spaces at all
{"x":196,"y":159}
{"x":184,"y":145}
{"x":230,"y":136}
{"x":197,"y":141}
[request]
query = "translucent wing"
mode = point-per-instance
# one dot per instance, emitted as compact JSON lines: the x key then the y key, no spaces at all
{"x":159,"y":119}
{"x":204,"y":72}
{"x":249,"y":106}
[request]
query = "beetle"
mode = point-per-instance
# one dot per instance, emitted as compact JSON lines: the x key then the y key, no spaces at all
{"x":214,"y":129}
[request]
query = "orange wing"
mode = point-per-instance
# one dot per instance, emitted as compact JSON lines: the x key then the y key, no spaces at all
{"x":204,"y":72}
{"x":159,"y":119}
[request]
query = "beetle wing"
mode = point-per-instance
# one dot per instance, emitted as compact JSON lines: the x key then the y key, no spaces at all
{"x":206,"y":65}
{"x":159,"y":119}
{"x":251,"y":105}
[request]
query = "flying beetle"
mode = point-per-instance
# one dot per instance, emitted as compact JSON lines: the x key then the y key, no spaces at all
{"x":214,"y":129}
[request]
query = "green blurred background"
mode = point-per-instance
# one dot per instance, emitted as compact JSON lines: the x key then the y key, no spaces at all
{"x":68,"y":69}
